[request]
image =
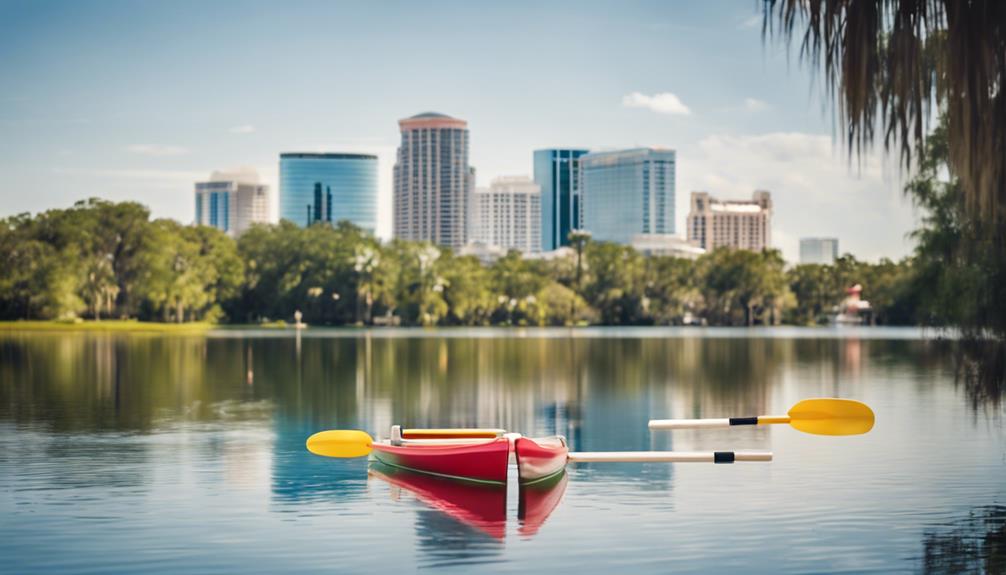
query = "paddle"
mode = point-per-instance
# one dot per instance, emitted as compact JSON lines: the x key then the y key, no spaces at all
{"x":667,"y":456}
{"x":822,"y":416}
{"x":356,"y":443}
{"x":450,"y":433}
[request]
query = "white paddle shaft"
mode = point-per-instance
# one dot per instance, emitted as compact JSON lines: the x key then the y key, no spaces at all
{"x":670,"y":456}
{"x":689,"y":423}
{"x":446,"y":441}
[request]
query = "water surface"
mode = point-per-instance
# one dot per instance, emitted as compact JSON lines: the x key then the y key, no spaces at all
{"x":166,"y":454}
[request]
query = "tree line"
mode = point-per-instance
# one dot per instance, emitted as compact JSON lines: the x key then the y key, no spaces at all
{"x":100,"y":260}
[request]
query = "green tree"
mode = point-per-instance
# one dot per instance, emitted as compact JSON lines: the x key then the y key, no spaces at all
{"x":192,"y":270}
{"x":616,"y":283}
{"x":960,"y":267}
{"x":467,"y":291}
{"x":671,"y":290}
{"x":744,"y":287}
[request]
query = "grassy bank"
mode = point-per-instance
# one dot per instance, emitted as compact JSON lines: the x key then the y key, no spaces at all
{"x":123,"y":326}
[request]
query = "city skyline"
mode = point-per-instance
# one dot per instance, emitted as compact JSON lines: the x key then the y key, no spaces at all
{"x":97,"y":102}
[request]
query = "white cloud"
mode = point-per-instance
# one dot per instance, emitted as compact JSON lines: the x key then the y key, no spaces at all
{"x":157,"y":150}
{"x":753,"y":21}
{"x":755,"y":105}
{"x":242,"y":129}
{"x":661,"y":103}
{"x":816,"y":191}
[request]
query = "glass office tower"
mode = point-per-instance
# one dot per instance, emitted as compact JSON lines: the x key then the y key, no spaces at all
{"x":328,"y":188}
{"x":628,"y":192}
{"x":557,"y":172}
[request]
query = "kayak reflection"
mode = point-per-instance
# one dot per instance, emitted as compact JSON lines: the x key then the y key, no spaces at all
{"x":477,"y":505}
{"x":538,"y":500}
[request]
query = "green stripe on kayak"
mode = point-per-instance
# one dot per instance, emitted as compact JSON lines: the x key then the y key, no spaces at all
{"x":377,"y":457}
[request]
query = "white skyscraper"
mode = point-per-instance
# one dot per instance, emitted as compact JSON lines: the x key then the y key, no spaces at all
{"x":508,"y":214}
{"x":232,"y":201}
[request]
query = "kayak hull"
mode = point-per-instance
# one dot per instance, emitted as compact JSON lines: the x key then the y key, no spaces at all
{"x":539,"y":459}
{"x":480,"y":462}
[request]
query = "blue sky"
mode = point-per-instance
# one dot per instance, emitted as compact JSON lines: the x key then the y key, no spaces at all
{"x":137,"y":100}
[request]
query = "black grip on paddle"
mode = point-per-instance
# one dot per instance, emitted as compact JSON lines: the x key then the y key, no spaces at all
{"x":723,"y":457}
{"x":743,"y":421}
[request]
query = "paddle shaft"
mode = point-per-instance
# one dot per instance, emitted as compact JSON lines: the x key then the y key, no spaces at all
{"x":716,"y":423}
{"x":668,"y":456}
{"x":444,"y":441}
{"x":451,"y":433}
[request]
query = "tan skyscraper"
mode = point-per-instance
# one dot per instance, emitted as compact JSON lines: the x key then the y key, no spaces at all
{"x":433,"y":182}
{"x":744,"y":224}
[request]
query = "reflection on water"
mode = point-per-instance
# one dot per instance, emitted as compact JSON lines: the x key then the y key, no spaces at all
{"x":460,"y":523}
{"x":197,"y":443}
{"x":981,"y":367}
{"x":975,"y":544}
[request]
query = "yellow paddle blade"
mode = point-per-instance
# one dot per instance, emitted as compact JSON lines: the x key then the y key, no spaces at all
{"x":340,"y":443}
{"x":829,"y":416}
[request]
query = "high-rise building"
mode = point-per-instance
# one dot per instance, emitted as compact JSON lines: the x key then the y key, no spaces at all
{"x":433,"y":181}
{"x":557,"y":172}
{"x":328,"y":188}
{"x":818,"y":250}
{"x":744,"y":224}
{"x":508,"y":214}
{"x":232,"y":201}
{"x":628,"y":192}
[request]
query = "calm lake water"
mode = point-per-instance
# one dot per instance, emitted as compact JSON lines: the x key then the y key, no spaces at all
{"x":170,"y":454}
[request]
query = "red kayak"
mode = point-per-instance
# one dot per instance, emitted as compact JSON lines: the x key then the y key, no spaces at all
{"x":481,"y":461}
{"x":539,"y":459}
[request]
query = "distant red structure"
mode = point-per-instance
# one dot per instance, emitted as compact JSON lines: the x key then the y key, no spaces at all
{"x":853,"y":310}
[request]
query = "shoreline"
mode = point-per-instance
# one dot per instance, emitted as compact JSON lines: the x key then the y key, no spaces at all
{"x":288,"y":330}
{"x":112,"y":325}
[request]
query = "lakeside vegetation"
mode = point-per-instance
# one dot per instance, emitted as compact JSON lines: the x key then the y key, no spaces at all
{"x":127,"y":326}
{"x":101,"y":260}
